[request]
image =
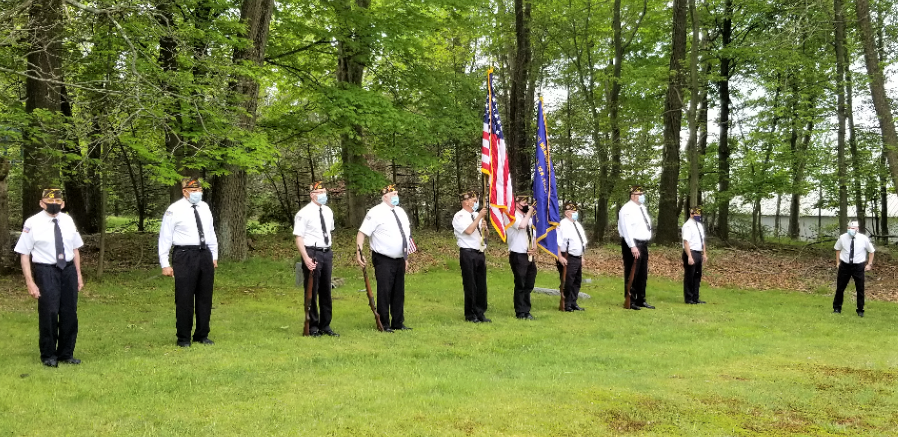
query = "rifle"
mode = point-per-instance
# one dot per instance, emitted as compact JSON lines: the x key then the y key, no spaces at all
{"x":309,"y":282}
{"x":380,"y":326}
{"x":630,"y":283}
{"x":561,"y":302}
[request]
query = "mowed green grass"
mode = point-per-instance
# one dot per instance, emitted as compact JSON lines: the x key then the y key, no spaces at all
{"x":748,"y":363}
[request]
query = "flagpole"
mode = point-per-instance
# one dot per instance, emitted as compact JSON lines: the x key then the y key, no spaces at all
{"x":483,"y":183}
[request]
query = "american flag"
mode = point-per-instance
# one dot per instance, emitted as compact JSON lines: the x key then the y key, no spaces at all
{"x":494,"y":163}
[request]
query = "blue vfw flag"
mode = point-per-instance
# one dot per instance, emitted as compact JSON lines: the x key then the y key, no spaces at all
{"x":545,"y":196}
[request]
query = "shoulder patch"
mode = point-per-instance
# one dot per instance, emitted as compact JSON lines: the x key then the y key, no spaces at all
{"x":168,"y":212}
{"x":26,"y":229}
{"x":368,"y":217}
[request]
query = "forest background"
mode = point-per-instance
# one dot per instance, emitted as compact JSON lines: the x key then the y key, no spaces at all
{"x":733,"y":105}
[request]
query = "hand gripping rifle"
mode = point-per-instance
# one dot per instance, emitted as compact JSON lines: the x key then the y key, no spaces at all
{"x":630,"y":282}
{"x":561,"y":302}
{"x":380,"y":326}
{"x":309,"y":282}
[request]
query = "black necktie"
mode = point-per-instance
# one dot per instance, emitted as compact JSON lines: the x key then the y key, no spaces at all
{"x":199,"y":227}
{"x":401,"y":232}
{"x":327,"y":240}
{"x":582,"y":244}
{"x":850,"y":252}
{"x":646,"y":218}
{"x":60,"y":246}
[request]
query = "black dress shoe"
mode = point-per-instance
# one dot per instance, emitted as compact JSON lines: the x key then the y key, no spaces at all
{"x":529,"y":316}
{"x":205,"y":341}
{"x":837,"y":311}
{"x":314,"y":333}
{"x":473,"y":320}
{"x":691,"y":302}
{"x":483,"y":319}
{"x":634,"y":307}
{"x":700,"y":301}
{"x":568,"y":310}
{"x":330,"y":332}
{"x":647,"y":305}
{"x":577,"y":308}
{"x":72,"y":360}
{"x":183,"y":344}
{"x":50,"y":362}
{"x":388,"y":330}
{"x":402,"y":328}
{"x":860,"y":314}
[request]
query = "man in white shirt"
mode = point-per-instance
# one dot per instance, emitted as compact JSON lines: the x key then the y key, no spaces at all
{"x":51,"y":264}
{"x":571,"y":248}
{"x":188,"y":232}
{"x":313,"y":226}
{"x":695,"y":254}
{"x":852,"y":251}
{"x":635,"y":228}
{"x":468,"y":227}
{"x":390,"y":233}
{"x":521,"y":256}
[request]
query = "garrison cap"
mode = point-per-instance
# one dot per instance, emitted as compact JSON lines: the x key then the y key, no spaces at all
{"x":319,"y":185}
{"x":636,"y":188}
{"x":191,"y":182}
{"x":570,"y":206}
{"x":388,"y":189}
{"x":520,"y":197}
{"x":52,"y":193}
{"x":471,"y":194}
{"x":853,"y":224}
{"x":697,"y":210}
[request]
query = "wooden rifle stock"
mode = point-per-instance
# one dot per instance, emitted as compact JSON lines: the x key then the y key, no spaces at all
{"x":630,"y":282}
{"x":308,"y":304}
{"x":380,"y":325}
{"x":561,"y":302}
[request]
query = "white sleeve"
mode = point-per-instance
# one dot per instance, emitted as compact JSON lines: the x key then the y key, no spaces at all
{"x":299,"y":225}
{"x":166,"y":231}
{"x":369,"y":224}
{"x":624,"y":225}
{"x":870,"y":247}
{"x":838,"y":245}
{"x":26,"y":241}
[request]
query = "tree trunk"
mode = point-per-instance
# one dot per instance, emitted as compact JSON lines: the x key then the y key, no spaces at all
{"x":352,"y":55}
{"x":723,"y":150}
{"x":841,"y":111}
{"x":694,"y":92}
{"x":6,"y":255}
{"x":517,"y":136}
{"x":229,"y":190}
{"x":42,"y":92}
{"x":878,"y":91}
{"x":859,"y":203}
{"x":668,"y":213}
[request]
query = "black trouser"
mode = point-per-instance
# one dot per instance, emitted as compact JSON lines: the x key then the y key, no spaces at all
{"x":390,"y":276}
{"x":524,"y":278}
{"x":194,"y":277}
{"x":692,"y":276}
{"x":846,"y":272}
{"x":473,"y":279}
{"x":321,"y":288}
{"x":572,"y":281}
{"x":57,"y":310}
{"x":637,"y":290}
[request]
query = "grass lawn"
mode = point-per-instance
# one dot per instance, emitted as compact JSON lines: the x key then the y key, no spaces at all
{"x":748,"y":363}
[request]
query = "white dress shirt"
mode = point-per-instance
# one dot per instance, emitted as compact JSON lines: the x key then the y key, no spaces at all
{"x":631,"y":223}
{"x":307,"y":224}
{"x":179,"y":229}
{"x":380,"y":225}
{"x":568,"y":239}
{"x":460,"y":222}
{"x":694,"y":233}
{"x":862,"y":246}
{"x":516,"y":235}
{"x":38,"y":238}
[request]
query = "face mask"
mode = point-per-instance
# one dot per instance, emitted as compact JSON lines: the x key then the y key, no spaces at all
{"x":395,"y":200}
{"x":697,"y":218}
{"x":851,"y":232}
{"x":525,"y":209}
{"x":53,"y":208}
{"x":642,"y":198}
{"x":195,"y":197}
{"x":322,"y":199}
{"x":575,"y":216}
{"x":476,"y":206}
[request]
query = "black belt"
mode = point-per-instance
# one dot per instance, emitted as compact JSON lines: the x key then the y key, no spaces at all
{"x":388,"y":257}
{"x":319,"y":249}
{"x":192,"y":247}
{"x":67,"y":263}
{"x":641,"y":242}
{"x":470,"y":250}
